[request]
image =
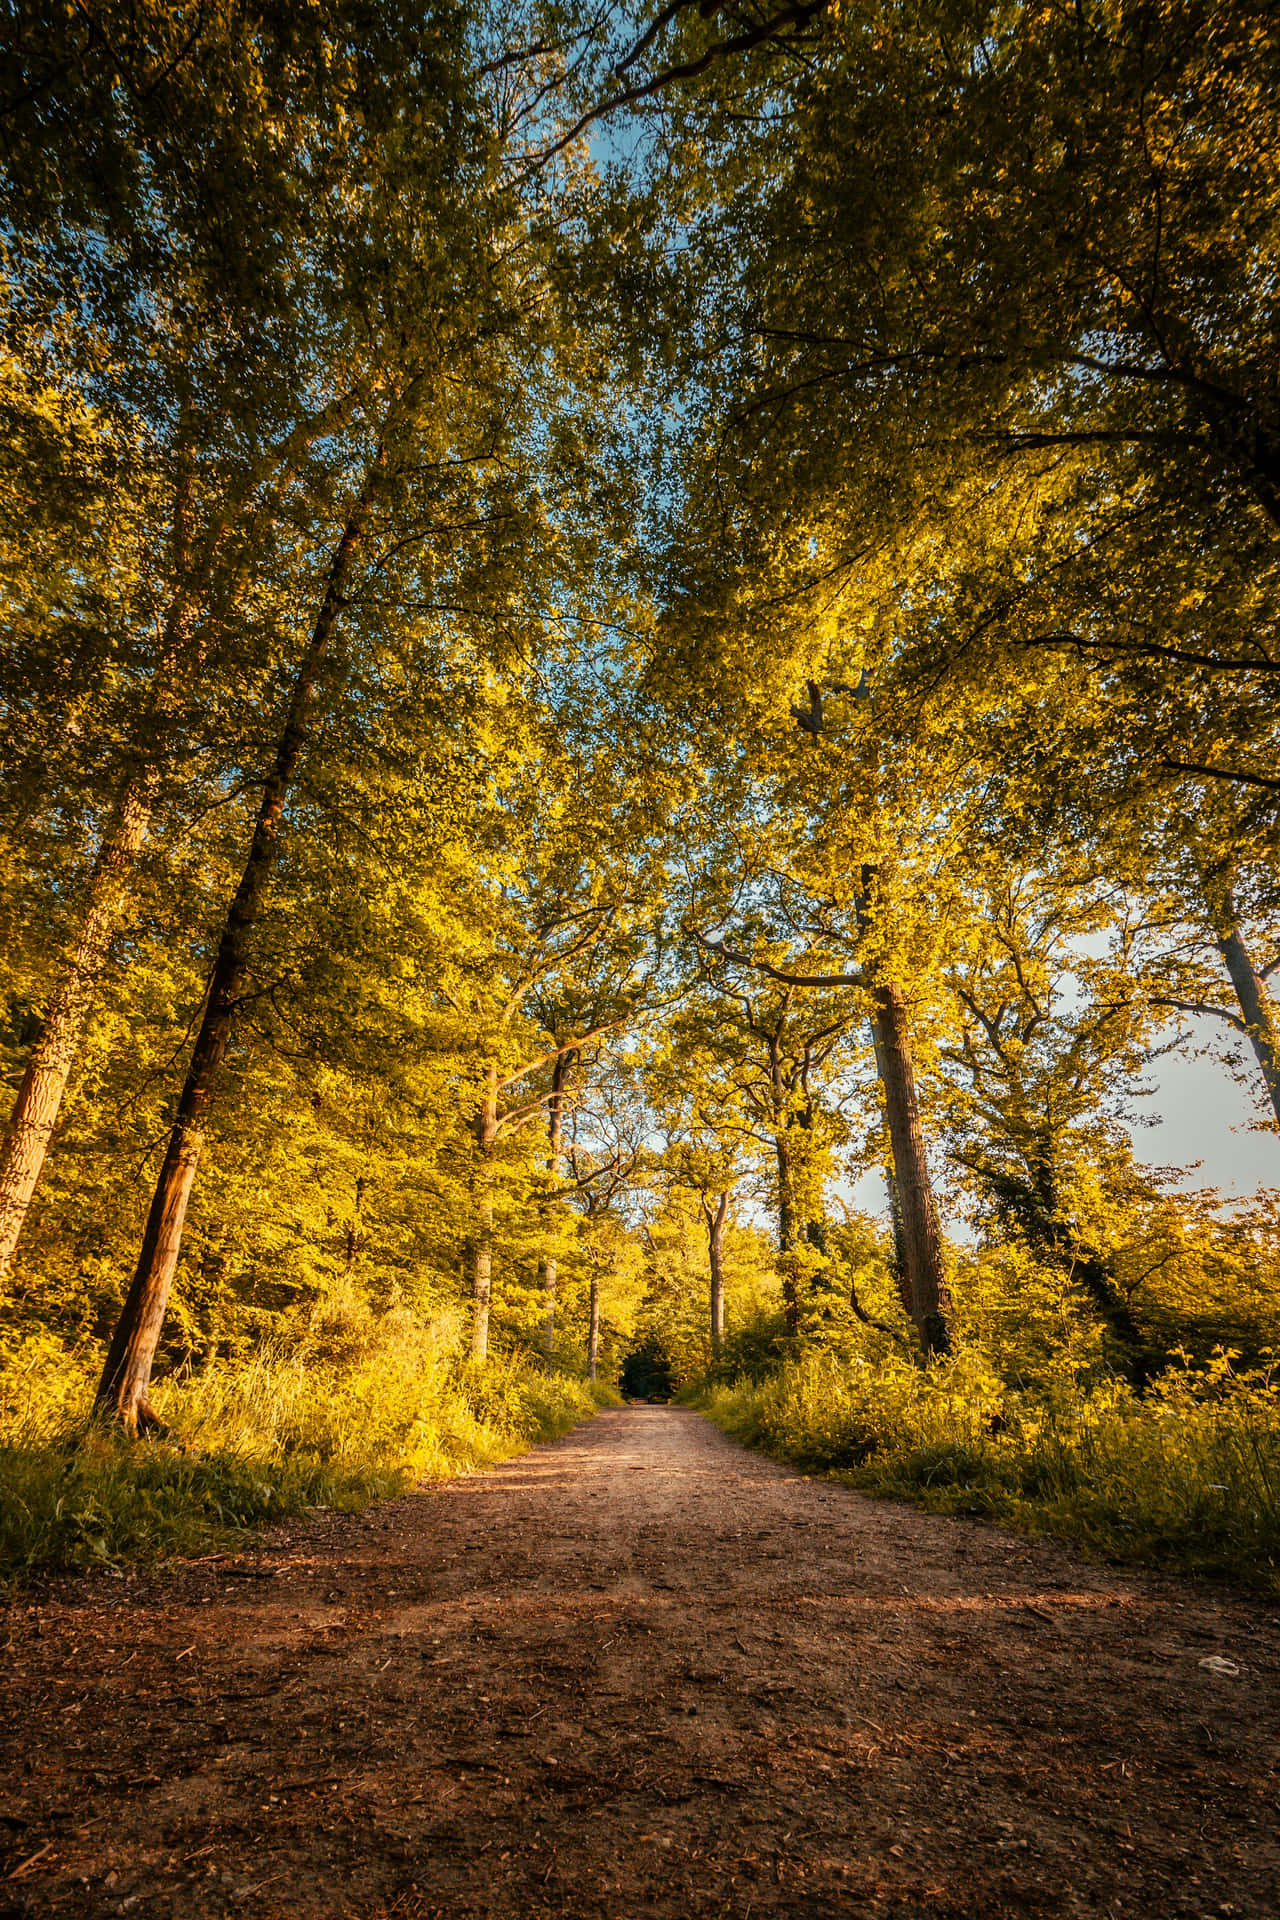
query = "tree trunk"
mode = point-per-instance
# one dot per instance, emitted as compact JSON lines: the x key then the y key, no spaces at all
{"x":555,"y":1131}
{"x":1251,"y":995}
{"x":39,"y":1100}
{"x":901,"y":1271}
{"x":550,"y":1276}
{"x":127,"y":1373}
{"x":482,"y":1245}
{"x":593,"y":1328}
{"x":916,"y":1221}
{"x":787,"y":1234}
{"x":715,"y":1220}
{"x":355,"y":1230}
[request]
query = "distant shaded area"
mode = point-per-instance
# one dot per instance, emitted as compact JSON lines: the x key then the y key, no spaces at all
{"x":646,"y":1373}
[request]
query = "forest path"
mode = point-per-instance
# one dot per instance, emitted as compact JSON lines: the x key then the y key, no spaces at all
{"x":640,"y":1672}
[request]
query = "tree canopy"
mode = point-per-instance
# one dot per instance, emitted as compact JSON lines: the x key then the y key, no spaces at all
{"x":610,"y":622}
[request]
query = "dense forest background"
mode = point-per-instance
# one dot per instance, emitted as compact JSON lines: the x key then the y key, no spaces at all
{"x":612,"y":618}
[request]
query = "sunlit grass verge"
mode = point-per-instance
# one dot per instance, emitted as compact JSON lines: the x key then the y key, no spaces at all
{"x":1188,"y":1476}
{"x":354,"y":1407}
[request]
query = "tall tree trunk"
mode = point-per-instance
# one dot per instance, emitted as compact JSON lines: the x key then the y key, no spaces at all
{"x":355,"y":1230}
{"x":788,"y":1236}
{"x":788,"y":1224}
{"x":916,"y":1218}
{"x":1254,"y":1001}
{"x":715,"y":1219}
{"x":127,"y":1373}
{"x":555,"y":1133}
{"x":550,"y":1277}
{"x":593,"y":1327}
{"x":39,"y":1099}
{"x":482,"y":1244}
{"x":901,"y":1269}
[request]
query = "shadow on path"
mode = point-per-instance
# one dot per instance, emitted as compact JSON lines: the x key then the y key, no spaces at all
{"x":640,"y":1672}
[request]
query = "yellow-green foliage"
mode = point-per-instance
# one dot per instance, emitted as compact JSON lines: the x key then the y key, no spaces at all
{"x":1191,"y":1472}
{"x":348,"y":1405}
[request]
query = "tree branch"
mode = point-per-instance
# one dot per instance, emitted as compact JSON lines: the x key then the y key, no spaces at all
{"x":797,"y":16}
{"x":775,"y":973}
{"x":1224,"y":773}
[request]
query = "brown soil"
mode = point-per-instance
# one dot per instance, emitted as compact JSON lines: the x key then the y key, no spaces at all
{"x":640,"y":1672}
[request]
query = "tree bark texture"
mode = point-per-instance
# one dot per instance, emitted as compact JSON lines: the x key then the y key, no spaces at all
{"x":39,"y":1100}
{"x":917,"y":1232}
{"x":1254,"y":1001}
{"x":182,"y":653}
{"x":593,"y":1329}
{"x":788,"y":1224}
{"x":355,"y":1230}
{"x":482,"y":1243}
{"x":787,"y":1235}
{"x":127,"y":1373}
{"x":715,"y":1218}
{"x":555,"y":1155}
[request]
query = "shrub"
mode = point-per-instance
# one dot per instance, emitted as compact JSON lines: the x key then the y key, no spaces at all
{"x":1188,"y":1474}
{"x":347,"y":1406}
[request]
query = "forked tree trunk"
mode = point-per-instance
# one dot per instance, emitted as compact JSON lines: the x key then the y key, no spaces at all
{"x":916,"y":1230}
{"x":1254,"y":1001}
{"x":126,"y":1376}
{"x":482,"y":1243}
{"x":593,"y":1328}
{"x":715,"y":1219}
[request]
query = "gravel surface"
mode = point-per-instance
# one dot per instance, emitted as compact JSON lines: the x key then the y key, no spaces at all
{"x":640,"y":1672}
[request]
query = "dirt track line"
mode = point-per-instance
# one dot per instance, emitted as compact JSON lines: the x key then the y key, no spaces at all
{"x":632,"y":1674}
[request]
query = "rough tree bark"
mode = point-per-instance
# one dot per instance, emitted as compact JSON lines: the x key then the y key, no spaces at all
{"x":127,"y":1373}
{"x":788,"y":1226}
{"x":593,"y":1328}
{"x":355,"y":1229}
{"x":482,"y":1243}
{"x":1254,"y":1001}
{"x":39,"y":1100}
{"x":917,"y":1233}
{"x":44,"y":1083}
{"x":555,"y":1155}
{"x":715,"y":1218}
{"x":787,"y":1236}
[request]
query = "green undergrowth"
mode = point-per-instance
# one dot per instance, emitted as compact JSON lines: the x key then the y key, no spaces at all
{"x":349,"y":1406}
{"x":1186,"y":1476}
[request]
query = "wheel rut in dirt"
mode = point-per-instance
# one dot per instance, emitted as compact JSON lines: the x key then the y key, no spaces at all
{"x":640,"y":1672}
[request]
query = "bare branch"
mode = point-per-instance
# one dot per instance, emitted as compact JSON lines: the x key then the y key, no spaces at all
{"x":775,"y":973}
{"x":1224,"y":773}
{"x":797,"y":16}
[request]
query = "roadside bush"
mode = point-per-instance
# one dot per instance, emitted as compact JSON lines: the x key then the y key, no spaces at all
{"x":1188,"y":1474}
{"x":347,"y":1406}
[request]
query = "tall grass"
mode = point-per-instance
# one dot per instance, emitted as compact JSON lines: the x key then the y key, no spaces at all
{"x":348,"y":1406}
{"x":1188,"y":1475}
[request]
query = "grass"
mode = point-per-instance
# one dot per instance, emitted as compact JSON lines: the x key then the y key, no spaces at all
{"x":1188,"y":1476}
{"x":349,"y":1407}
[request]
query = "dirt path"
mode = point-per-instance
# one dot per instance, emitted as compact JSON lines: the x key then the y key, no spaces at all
{"x":640,"y":1672}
